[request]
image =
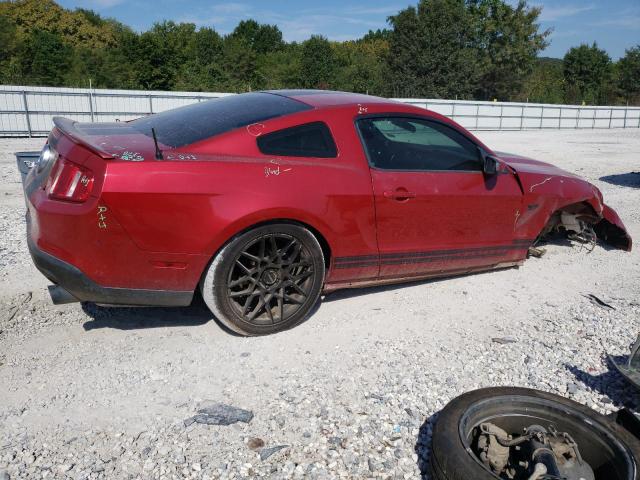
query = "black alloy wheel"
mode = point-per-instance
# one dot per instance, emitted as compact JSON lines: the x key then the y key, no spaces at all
{"x":265,"y":280}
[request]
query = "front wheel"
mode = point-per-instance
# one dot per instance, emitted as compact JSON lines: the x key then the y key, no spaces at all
{"x":521,"y":434}
{"x":265,"y":280}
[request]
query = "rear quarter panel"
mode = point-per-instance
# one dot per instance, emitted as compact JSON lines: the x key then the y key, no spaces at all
{"x":226,"y":185}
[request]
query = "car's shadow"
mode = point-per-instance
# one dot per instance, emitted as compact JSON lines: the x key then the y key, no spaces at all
{"x":132,"y":318}
{"x":610,"y":384}
{"x":136,"y":318}
{"x":631,"y":179}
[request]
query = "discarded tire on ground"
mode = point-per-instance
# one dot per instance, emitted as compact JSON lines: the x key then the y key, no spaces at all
{"x":522,"y":434}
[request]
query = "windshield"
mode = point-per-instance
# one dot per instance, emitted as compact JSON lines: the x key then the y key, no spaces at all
{"x":192,"y":123}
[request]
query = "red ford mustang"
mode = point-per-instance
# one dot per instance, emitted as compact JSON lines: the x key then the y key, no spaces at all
{"x":264,"y":200}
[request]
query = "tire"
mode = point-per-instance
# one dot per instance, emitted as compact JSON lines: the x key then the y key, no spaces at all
{"x":265,"y":280}
{"x":452,"y":459}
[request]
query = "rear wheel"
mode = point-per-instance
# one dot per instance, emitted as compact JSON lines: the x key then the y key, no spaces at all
{"x":265,"y":280}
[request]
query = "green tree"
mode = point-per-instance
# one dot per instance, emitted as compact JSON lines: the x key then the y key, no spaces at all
{"x":629,"y":75}
{"x":507,"y":41}
{"x":162,"y":54}
{"x":76,"y":28}
{"x":375,"y":35}
{"x":45,"y":59}
{"x":239,"y":64}
{"x":430,"y":51}
{"x":317,"y":63}
{"x":282,"y":68}
{"x":202,"y":69}
{"x":362,"y":66}
{"x":261,"y":38}
{"x":545,"y":84}
{"x":587,"y":74}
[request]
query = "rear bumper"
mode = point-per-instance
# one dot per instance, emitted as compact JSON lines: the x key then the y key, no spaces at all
{"x":84,"y":289}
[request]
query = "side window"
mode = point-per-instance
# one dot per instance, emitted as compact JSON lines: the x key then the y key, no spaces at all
{"x":404,"y":143}
{"x":308,"y":140}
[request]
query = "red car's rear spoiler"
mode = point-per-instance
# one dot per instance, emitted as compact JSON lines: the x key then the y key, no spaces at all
{"x":68,"y":128}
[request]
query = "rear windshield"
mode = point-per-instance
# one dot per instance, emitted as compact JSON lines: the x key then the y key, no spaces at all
{"x":192,"y":123}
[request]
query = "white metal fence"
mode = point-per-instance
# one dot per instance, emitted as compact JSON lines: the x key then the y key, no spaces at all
{"x":27,"y":111}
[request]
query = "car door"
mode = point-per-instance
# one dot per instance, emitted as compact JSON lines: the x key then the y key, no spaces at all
{"x":436,"y":211}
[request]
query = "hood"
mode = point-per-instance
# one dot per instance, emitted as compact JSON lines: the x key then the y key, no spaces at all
{"x":524,"y":165}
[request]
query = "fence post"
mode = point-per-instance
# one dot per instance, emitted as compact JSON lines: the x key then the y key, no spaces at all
{"x":501,"y":112}
{"x":560,"y":119}
{"x":90,"y":105}
{"x":477,"y":114}
{"x":541,"y":117}
{"x":593,"y":123}
{"x":150,"y":105}
{"x":521,"y":116}
{"x":610,"y":116}
{"x":624,"y":125}
{"x":578,"y":119}
{"x":26,"y":111}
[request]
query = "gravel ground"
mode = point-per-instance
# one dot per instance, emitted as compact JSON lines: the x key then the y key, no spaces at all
{"x":91,"y":392}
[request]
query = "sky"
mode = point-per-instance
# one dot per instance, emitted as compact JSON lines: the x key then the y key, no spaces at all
{"x":613,"y":24}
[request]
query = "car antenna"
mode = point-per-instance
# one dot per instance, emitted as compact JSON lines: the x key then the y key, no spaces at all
{"x":155,"y":141}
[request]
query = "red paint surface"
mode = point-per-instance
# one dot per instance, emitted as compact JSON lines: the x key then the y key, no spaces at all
{"x":166,"y":219}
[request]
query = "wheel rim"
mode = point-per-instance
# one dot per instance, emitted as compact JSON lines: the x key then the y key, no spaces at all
{"x":270,"y":280}
{"x":608,"y":457}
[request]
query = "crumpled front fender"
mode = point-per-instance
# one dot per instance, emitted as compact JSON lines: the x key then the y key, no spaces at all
{"x":611,"y":229}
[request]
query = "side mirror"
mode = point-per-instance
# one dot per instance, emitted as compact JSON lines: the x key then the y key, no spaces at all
{"x":489,"y":163}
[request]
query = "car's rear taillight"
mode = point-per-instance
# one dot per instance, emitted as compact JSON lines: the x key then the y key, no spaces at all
{"x":69,"y":181}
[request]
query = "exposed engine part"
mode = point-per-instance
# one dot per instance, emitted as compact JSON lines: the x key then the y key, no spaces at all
{"x":575,"y":225}
{"x":578,"y":230}
{"x":537,"y":454}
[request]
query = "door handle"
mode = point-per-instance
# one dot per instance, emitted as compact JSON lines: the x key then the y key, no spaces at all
{"x":399,"y":194}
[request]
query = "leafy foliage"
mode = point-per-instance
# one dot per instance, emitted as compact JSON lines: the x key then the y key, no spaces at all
{"x":507,"y":41}
{"x":587,"y":73}
{"x":481,"y":49}
{"x":629,"y":75}
{"x":431,"y":52}
{"x":317,"y":63}
{"x":545,"y":84}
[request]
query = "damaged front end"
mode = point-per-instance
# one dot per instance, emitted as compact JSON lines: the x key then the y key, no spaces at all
{"x":611,"y":230}
{"x":580,"y":223}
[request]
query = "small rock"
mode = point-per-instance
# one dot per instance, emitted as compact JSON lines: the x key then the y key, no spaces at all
{"x":267,"y":452}
{"x":255,"y":443}
{"x":503,"y":340}
{"x":220,"y":414}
